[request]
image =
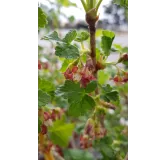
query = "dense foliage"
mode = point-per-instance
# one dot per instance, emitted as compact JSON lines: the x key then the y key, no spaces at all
{"x":82,"y":97}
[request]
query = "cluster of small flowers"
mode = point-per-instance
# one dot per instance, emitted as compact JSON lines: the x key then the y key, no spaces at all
{"x":43,"y":65}
{"x":83,"y":75}
{"x":120,"y":79}
{"x":92,"y":131}
{"x":49,"y":117}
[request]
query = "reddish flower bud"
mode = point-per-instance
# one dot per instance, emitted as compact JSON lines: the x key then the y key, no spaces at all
{"x":125,"y":79}
{"x":74,"y":69}
{"x":84,"y":141}
{"x":117,"y":79}
{"x":125,"y":57}
{"x":89,"y":128}
{"x":47,"y":116}
{"x":59,"y":150}
{"x":68,"y":74}
{"x":84,"y":81}
{"x":43,"y":129}
{"x":39,"y":65}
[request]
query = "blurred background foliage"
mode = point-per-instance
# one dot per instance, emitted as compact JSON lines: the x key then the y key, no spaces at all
{"x":115,"y":145}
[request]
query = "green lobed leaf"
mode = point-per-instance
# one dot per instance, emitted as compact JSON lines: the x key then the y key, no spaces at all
{"x":43,"y":98}
{"x":71,"y":91}
{"x":91,"y":87}
{"x":113,"y":95}
{"x":83,"y":36}
{"x":80,"y":102}
{"x":42,"y":18}
{"x":82,"y":107}
{"x":106,"y":41}
{"x":67,"y":51}
{"x":108,"y":94}
{"x":70,"y":36}
{"x":52,"y":36}
{"x":60,"y":132}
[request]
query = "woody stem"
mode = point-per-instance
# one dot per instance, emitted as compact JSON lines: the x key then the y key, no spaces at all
{"x":92,"y":30}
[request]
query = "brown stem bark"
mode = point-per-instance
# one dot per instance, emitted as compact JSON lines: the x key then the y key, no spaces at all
{"x":92,"y":30}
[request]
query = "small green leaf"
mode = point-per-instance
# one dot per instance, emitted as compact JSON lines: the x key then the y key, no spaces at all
{"x":52,"y":36}
{"x":118,"y":47}
{"x":109,"y":34}
{"x":91,"y":87}
{"x":113,"y":95}
{"x":103,"y":76}
{"x":42,"y":18}
{"x":106,"y":41}
{"x":67,"y":51}
{"x":82,"y":107}
{"x":108,"y":94}
{"x":98,"y":53}
{"x":70,"y":36}
{"x":60,"y":132}
{"x":83,"y":36}
{"x":107,"y":88}
{"x":71,"y":19}
{"x":43,"y":98}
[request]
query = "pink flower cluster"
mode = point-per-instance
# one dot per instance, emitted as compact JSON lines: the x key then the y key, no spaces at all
{"x":83,"y":75}
{"x":92,"y":131}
